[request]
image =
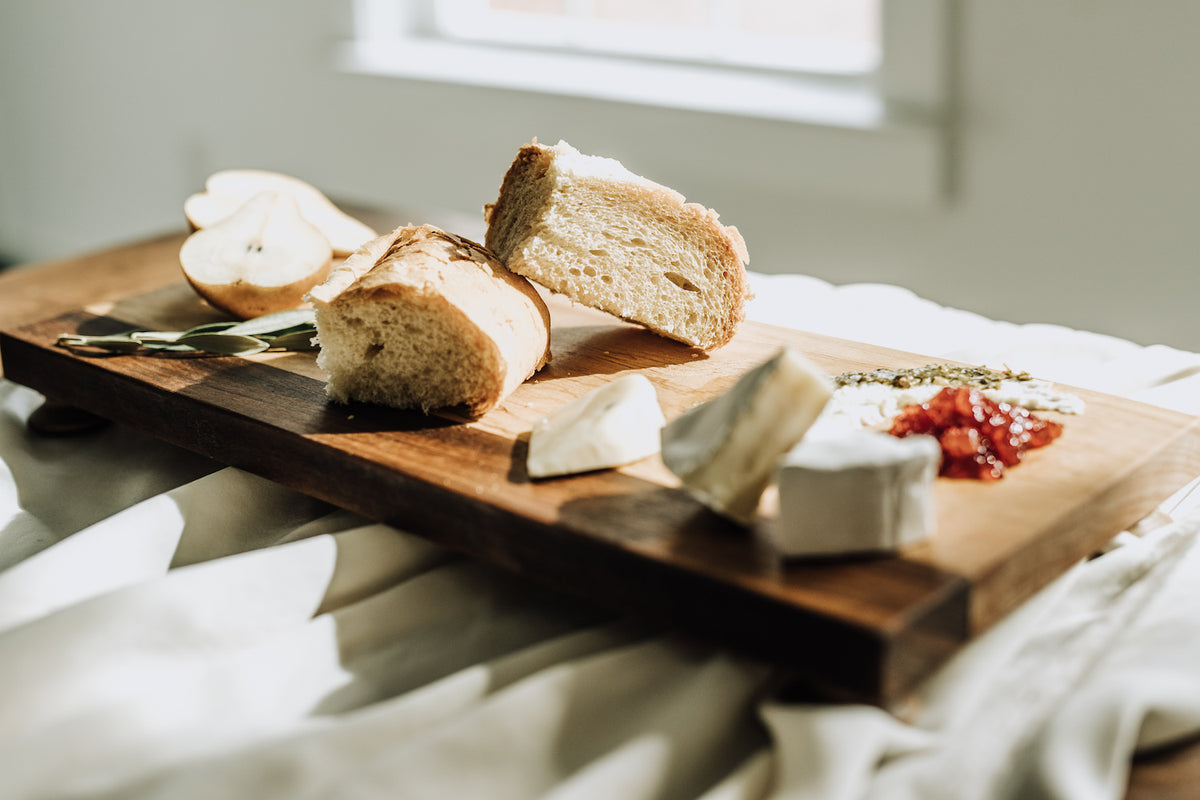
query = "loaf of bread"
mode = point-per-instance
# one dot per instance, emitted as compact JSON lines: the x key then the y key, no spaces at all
{"x":424,"y":319}
{"x":587,"y":227}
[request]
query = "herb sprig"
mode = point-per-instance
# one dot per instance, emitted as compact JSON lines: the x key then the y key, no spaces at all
{"x":283,"y":330}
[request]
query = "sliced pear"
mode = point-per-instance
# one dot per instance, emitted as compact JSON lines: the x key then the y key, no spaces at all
{"x":262,"y":258}
{"x":228,"y":190}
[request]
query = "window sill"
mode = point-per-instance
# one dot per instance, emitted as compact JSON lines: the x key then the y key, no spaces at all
{"x":839,"y":138}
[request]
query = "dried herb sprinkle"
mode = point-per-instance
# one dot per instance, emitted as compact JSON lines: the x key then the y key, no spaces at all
{"x":932,"y":374}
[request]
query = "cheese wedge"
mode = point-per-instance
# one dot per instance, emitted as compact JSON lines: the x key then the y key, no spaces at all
{"x":856,"y":492}
{"x":616,"y":424}
{"x":725,"y":451}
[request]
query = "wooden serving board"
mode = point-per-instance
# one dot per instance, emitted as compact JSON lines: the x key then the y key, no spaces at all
{"x":864,"y":628}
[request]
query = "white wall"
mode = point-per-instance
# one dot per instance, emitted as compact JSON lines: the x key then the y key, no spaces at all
{"x":1074,"y":191}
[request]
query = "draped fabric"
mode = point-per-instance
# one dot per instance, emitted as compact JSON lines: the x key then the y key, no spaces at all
{"x":171,"y":628}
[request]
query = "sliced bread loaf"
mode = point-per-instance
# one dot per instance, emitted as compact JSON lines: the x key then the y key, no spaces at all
{"x":421,"y":318}
{"x":587,"y":227}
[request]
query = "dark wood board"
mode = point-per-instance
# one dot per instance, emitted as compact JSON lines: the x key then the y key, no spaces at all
{"x":857,"y":628}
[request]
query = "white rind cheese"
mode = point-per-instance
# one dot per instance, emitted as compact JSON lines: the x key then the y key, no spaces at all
{"x":725,"y":451}
{"x":616,"y":424}
{"x":855,"y":492}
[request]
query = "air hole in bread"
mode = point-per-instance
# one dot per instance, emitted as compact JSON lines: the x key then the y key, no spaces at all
{"x":638,"y":241}
{"x":590,"y":271}
{"x":681,"y":282}
{"x":598,"y":252}
{"x":373,"y":350}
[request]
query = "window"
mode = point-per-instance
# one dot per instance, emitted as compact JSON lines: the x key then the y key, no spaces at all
{"x":820,"y":36}
{"x":840,"y":96}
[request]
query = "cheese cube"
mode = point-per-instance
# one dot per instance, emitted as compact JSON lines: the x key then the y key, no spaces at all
{"x":616,"y":424}
{"x":725,"y":451}
{"x":860,"y":491}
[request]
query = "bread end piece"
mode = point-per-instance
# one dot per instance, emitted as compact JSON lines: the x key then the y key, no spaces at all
{"x":588,"y":228}
{"x":424,"y":319}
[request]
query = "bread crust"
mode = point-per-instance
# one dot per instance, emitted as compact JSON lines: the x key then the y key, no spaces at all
{"x":521,"y":215}
{"x":458,"y":292}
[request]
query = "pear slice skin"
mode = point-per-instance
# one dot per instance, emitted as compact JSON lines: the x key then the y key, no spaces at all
{"x":225,"y":191}
{"x":262,"y":258}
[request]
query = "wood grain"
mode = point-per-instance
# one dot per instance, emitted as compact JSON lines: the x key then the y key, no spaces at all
{"x":861,"y":628}
{"x":1169,"y":773}
{"x":33,"y":292}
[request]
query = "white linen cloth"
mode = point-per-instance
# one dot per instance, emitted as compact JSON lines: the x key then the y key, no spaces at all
{"x":172,"y":629}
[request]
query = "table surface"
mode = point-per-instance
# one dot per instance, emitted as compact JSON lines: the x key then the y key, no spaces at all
{"x":33,"y":292}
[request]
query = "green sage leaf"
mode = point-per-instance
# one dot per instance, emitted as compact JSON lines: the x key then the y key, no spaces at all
{"x":115,"y":343}
{"x":155,"y":337}
{"x":210,"y":327}
{"x":296,"y":340}
{"x":274,"y":324}
{"x":224,"y":344}
{"x":171,"y":347}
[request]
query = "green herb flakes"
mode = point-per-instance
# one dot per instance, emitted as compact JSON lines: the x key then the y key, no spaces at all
{"x":932,"y":374}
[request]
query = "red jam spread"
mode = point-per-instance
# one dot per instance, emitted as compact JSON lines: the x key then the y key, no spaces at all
{"x":980,"y":439}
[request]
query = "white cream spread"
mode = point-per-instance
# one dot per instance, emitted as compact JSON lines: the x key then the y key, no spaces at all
{"x":868,"y":405}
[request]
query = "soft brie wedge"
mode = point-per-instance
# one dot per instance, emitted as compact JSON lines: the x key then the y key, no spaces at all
{"x":725,"y":451}
{"x":616,"y":424}
{"x":862,"y":491}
